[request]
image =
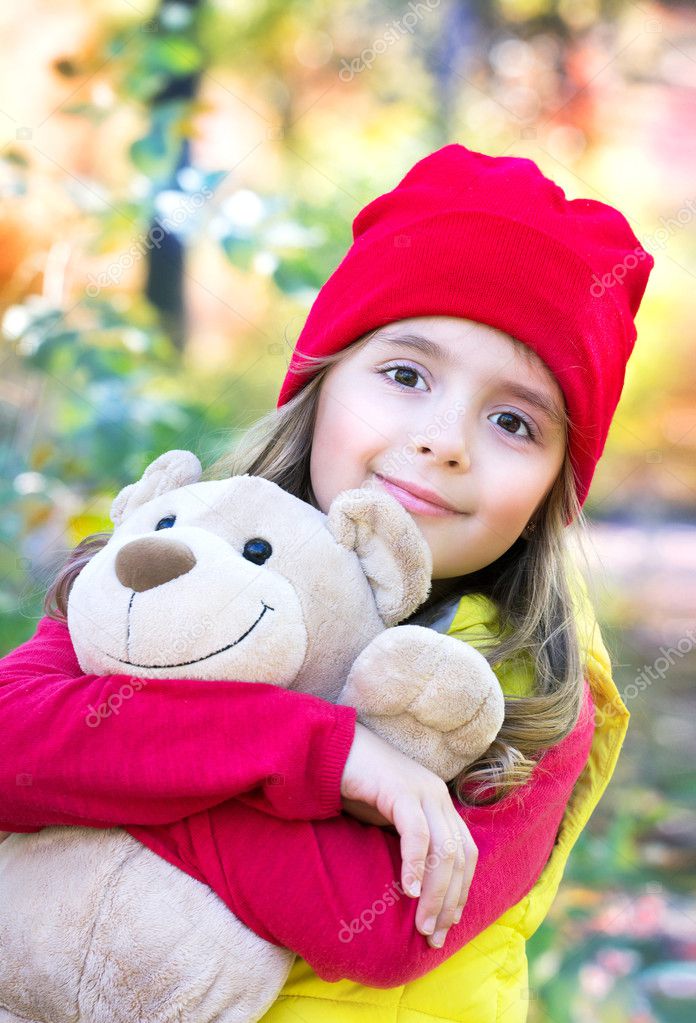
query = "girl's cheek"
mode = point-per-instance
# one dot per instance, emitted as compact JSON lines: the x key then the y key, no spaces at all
{"x":507,"y":502}
{"x":372,"y":423}
{"x":346,"y":418}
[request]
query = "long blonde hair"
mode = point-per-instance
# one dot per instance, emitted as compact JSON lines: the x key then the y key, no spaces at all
{"x":528,"y":584}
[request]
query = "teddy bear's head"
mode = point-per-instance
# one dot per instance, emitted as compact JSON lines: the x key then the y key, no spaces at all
{"x":237,"y":579}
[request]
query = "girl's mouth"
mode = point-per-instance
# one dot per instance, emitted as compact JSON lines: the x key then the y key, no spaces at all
{"x":414,"y":504}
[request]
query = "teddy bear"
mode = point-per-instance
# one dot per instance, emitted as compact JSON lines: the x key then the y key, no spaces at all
{"x":225,"y":579}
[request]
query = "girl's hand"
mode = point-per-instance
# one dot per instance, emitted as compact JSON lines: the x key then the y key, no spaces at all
{"x":437,"y":850}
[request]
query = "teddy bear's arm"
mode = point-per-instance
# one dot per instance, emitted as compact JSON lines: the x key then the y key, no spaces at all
{"x":432,"y":696}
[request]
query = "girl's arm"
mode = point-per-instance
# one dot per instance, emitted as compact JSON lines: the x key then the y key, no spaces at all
{"x":330,"y":890}
{"x":116,"y":749}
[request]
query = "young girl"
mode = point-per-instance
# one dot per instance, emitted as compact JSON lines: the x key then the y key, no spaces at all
{"x":467,"y":356}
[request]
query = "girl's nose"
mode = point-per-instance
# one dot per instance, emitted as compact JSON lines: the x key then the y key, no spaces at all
{"x":446,"y":442}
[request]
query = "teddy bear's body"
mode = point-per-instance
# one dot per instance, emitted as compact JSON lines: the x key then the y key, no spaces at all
{"x":232,"y":579}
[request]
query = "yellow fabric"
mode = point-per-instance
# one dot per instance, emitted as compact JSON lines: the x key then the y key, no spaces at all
{"x":476,"y":622}
{"x":486,"y":981}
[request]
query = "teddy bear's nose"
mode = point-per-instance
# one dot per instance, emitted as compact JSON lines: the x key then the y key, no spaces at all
{"x":149,"y":562}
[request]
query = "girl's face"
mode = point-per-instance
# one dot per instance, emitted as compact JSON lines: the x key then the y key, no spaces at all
{"x":437,"y":402}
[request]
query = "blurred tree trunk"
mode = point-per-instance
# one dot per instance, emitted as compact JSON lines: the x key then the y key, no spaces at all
{"x":460,"y":37}
{"x":166,"y":262}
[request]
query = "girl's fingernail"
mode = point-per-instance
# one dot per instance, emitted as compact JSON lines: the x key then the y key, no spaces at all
{"x":458,"y":916}
{"x":429,"y":925}
{"x":414,"y":889}
{"x":438,"y":939}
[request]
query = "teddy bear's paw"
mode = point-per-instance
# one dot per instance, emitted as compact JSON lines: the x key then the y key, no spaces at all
{"x":432,"y":696}
{"x":383,"y":679}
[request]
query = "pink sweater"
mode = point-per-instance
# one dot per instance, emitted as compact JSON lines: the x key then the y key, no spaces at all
{"x":166,"y":763}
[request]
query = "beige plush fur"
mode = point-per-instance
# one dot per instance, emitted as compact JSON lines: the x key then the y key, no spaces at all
{"x":93,"y":925}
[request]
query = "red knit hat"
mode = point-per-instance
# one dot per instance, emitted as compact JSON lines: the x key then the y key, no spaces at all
{"x":491,"y":239}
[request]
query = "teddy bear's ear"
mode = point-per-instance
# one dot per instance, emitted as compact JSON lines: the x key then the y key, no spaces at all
{"x":392,"y":550}
{"x":171,"y":470}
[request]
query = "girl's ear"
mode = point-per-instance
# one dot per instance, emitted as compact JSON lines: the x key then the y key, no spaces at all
{"x":171,"y":470}
{"x":392,"y":550}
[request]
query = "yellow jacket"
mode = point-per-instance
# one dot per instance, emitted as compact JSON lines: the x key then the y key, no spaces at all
{"x":486,"y":981}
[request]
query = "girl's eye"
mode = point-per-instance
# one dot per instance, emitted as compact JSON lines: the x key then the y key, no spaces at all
{"x":257,"y":550}
{"x":406,"y":373}
{"x":167,"y":522}
{"x":515,"y":419}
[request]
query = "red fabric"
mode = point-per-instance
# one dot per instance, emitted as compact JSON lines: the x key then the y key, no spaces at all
{"x":168,"y":762}
{"x":491,"y":239}
{"x":172,"y":749}
{"x":301,"y":883}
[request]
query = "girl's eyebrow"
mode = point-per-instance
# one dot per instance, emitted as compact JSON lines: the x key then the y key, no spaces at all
{"x":428,"y":347}
{"x":420,"y":344}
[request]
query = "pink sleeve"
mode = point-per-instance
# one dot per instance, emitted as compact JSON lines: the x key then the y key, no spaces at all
{"x":108,"y":750}
{"x":330,"y":890}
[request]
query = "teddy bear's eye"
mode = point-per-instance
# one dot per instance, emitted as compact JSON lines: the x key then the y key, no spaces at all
{"x":167,"y":522}
{"x":257,"y":550}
